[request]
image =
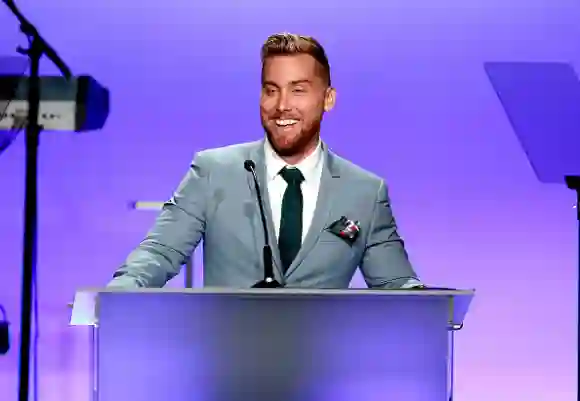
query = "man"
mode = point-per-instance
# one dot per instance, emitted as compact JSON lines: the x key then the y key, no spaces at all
{"x":326,"y":216}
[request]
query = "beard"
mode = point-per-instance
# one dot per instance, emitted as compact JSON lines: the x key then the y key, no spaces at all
{"x":288,"y":144}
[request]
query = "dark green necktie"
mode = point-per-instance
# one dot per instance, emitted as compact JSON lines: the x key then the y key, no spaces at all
{"x":290,"y":236}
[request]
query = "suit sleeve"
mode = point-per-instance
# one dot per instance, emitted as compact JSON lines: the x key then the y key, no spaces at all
{"x":174,"y":236}
{"x":385,"y":263}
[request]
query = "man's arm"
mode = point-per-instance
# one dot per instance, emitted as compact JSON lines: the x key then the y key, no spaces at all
{"x":171,"y":241}
{"x":385,"y":263}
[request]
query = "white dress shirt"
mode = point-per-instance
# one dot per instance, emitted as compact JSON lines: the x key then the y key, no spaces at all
{"x":311,"y":169}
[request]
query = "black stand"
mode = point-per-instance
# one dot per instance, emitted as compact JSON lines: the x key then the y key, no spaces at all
{"x":573,"y":182}
{"x":37,"y":48}
{"x":269,"y":281}
{"x":30,"y":216}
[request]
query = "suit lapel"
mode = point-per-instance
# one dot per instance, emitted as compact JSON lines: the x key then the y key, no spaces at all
{"x":257,"y":155}
{"x":329,"y":184}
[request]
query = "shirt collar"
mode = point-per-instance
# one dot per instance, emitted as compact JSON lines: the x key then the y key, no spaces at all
{"x":308,"y":167}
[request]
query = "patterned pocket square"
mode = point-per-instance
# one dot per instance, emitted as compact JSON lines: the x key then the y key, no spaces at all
{"x":345,"y":229}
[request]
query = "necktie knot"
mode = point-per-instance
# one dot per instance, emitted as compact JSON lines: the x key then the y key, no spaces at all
{"x":292,"y":175}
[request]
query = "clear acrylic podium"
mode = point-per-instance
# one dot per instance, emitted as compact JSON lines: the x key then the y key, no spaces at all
{"x":271,"y":345}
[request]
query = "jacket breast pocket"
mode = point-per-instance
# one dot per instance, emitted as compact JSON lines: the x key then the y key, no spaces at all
{"x":335,"y":247}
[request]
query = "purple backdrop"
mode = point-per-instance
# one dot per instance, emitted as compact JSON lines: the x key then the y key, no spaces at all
{"x":414,"y":105}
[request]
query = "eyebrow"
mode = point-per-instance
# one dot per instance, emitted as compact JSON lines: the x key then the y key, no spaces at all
{"x":296,"y":82}
{"x":301,"y":81}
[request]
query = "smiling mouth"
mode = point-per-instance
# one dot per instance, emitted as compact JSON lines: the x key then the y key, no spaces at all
{"x":285,"y":123}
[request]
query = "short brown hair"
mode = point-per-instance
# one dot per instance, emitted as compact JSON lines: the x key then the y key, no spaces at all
{"x":290,"y":43}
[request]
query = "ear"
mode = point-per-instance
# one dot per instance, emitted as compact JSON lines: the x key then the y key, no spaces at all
{"x":330,"y":99}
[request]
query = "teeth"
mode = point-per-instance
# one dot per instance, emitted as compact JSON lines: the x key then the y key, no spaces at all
{"x":284,"y":123}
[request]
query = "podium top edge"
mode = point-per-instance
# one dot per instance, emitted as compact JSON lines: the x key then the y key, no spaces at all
{"x":285,"y":291}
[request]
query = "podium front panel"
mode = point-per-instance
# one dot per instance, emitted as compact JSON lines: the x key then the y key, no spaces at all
{"x":216,"y":347}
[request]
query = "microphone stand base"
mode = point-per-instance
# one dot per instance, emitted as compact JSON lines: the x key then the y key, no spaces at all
{"x":267,"y":284}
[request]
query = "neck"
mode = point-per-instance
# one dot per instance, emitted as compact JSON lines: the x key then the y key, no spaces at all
{"x":306,"y":151}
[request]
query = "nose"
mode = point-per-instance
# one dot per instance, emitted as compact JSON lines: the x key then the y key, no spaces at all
{"x":283,"y":103}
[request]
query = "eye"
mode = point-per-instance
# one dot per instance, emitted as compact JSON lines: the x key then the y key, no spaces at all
{"x":299,"y":90}
{"x":268,"y":90}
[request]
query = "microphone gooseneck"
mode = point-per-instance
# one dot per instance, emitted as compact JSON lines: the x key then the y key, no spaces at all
{"x":250,"y":166}
{"x":269,"y":281}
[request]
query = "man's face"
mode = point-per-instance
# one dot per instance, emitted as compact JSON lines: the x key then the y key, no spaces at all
{"x":294,"y":98}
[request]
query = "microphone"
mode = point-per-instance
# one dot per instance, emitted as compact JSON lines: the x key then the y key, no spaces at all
{"x":269,"y":281}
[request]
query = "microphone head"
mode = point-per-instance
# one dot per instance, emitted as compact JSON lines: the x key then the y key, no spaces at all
{"x":249,"y":165}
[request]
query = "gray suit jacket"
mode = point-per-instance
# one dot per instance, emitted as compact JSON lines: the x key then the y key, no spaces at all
{"x":216,"y":202}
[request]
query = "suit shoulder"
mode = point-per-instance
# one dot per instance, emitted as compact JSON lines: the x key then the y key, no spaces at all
{"x":356,"y":172}
{"x":225,"y":155}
